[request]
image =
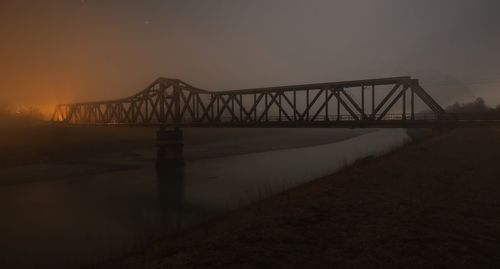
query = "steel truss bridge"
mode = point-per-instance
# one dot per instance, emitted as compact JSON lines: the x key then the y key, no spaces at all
{"x":386,"y":102}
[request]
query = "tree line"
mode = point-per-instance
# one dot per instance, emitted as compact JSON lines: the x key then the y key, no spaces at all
{"x":478,"y":105}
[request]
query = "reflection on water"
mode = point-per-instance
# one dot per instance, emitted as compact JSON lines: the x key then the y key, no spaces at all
{"x":171,"y":194}
{"x":227,"y":183}
{"x":90,"y":217}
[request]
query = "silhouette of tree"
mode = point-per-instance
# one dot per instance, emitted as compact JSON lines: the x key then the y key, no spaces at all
{"x":478,"y":105}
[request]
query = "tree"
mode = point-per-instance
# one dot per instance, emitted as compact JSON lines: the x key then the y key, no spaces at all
{"x":478,"y":105}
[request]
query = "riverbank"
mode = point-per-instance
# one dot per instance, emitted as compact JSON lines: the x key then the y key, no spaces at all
{"x":44,"y":143}
{"x":96,"y":194}
{"x":434,"y":203}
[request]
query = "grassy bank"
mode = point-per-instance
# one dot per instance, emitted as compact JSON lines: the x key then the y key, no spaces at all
{"x":432,"y":204}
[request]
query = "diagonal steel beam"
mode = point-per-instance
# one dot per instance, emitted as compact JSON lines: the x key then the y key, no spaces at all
{"x":310,"y":105}
{"x":401,"y":93}
{"x":353,"y":103}
{"x":386,"y":98}
{"x":325,"y":103}
{"x":343,"y":103}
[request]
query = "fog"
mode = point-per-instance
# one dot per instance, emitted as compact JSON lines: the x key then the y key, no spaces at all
{"x":64,"y":51}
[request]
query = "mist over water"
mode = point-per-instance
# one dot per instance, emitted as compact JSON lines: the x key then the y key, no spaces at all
{"x":118,"y":210}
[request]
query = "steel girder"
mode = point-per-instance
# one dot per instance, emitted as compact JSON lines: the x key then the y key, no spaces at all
{"x":172,"y":102}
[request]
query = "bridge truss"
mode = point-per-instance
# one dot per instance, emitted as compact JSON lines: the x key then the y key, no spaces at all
{"x":171,"y":102}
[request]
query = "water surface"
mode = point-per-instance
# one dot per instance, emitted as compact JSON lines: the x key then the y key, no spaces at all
{"x":94,"y":210}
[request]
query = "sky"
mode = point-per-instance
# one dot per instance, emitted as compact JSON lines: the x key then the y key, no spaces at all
{"x":55,"y":51}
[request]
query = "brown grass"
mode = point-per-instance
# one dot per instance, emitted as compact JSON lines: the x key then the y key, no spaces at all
{"x":433,"y":204}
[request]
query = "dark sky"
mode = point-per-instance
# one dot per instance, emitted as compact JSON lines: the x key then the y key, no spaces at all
{"x":74,"y":50}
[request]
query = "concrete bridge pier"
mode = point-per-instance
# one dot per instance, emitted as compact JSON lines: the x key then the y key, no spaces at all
{"x":169,"y":147}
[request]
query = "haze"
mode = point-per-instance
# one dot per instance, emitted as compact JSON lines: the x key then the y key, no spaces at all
{"x":64,"y":51}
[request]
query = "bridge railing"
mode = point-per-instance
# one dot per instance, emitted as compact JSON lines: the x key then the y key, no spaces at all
{"x":343,"y":117}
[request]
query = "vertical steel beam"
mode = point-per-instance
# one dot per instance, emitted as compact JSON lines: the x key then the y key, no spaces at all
{"x":404,"y":105}
{"x":255,"y":104}
{"x":232,"y":107}
{"x":161,"y":95}
{"x":212,"y":107}
{"x":373,"y":99}
{"x":241,"y":107}
{"x":327,"y":101}
{"x":295,"y":105}
{"x":363,"y":101}
{"x":218,"y":107}
{"x":266,"y":111}
{"x":279,"y":104}
{"x":147,"y":108}
{"x":412,"y":97}
{"x":195,"y":108}
{"x":177,"y":105}
{"x":337,"y":95}
{"x":307,"y":104}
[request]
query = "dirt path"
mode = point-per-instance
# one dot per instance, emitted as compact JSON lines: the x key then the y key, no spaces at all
{"x":432,"y":204}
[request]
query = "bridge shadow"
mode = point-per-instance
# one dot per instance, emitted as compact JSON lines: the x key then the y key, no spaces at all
{"x":170,"y":185}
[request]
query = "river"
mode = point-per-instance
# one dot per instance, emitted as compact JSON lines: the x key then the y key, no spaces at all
{"x":91,"y":211}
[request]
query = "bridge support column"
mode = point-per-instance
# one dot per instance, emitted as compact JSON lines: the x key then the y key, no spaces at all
{"x":169,"y":147}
